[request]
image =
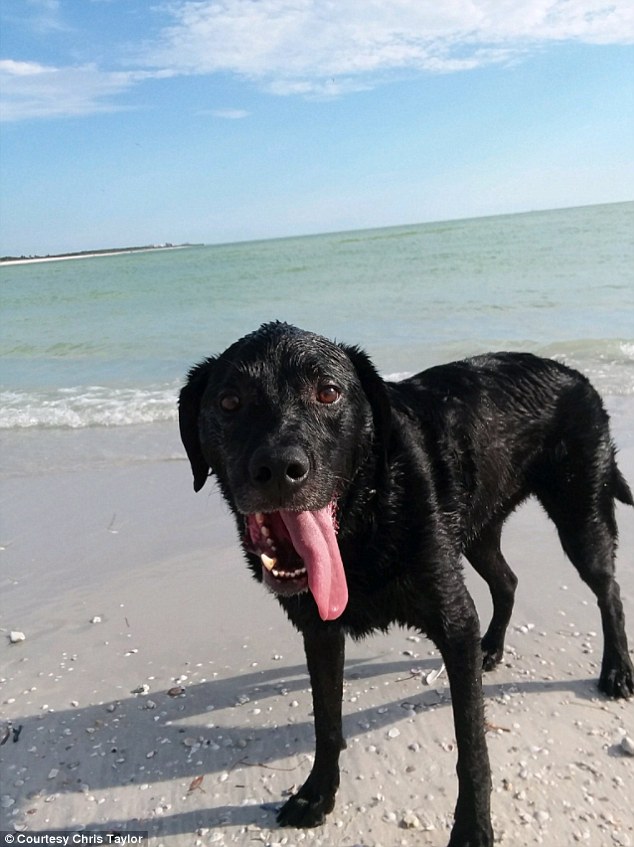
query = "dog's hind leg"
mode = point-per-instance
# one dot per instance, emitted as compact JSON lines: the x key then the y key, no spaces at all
{"x":325,"y":651}
{"x":584,"y":517}
{"x":486,"y":557}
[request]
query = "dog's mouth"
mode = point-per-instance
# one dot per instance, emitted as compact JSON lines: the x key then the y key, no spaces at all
{"x":299,"y":551}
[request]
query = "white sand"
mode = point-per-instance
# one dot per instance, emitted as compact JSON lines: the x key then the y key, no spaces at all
{"x":36,"y":260}
{"x":160,"y":567}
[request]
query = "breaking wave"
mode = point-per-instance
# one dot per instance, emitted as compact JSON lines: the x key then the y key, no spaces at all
{"x":95,"y":405}
{"x":609,"y":364}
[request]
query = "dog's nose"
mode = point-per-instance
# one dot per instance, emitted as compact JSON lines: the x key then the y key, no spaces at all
{"x":282,"y":467}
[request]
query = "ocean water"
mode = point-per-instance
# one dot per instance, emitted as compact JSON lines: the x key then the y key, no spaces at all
{"x":106,"y":341}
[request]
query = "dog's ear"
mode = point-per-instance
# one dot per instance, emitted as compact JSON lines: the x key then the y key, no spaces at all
{"x":376,"y":392}
{"x":188,"y":412}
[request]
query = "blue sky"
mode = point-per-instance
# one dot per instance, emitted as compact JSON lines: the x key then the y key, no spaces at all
{"x":127,"y":122}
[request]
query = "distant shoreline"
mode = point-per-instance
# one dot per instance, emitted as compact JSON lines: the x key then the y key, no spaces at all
{"x":92,"y":254}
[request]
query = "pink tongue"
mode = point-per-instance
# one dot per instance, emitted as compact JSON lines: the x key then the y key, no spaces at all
{"x":314,"y":539}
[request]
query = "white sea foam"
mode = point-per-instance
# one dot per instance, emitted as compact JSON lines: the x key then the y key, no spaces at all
{"x":627,"y":348}
{"x":609,"y":364}
{"x":73,"y":408}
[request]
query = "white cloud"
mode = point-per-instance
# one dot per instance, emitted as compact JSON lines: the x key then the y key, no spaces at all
{"x":9,"y":68}
{"x":326,"y":47}
{"x":313,"y":48}
{"x":33,"y":90}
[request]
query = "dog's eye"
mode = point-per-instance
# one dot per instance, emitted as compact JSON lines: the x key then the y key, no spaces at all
{"x":229,"y":402}
{"x":328,"y":394}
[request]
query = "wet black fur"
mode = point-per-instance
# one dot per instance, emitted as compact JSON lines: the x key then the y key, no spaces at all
{"x":425,"y":471}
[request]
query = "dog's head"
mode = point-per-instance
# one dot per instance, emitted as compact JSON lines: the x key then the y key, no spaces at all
{"x":285,"y":419}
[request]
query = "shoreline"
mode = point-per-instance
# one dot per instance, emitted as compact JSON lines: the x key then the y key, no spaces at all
{"x":63,"y":257}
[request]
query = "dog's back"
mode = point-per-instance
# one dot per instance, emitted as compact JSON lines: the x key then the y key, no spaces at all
{"x":503,"y":426}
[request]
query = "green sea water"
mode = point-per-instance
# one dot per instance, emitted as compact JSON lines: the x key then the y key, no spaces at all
{"x":106,"y":341}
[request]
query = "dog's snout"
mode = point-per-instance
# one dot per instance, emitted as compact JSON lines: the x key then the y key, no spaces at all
{"x":282,"y":468}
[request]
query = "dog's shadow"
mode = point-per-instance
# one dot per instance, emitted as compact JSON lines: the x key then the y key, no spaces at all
{"x":155,"y":738}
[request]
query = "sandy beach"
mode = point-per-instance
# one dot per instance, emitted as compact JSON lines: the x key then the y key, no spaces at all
{"x":64,"y":257}
{"x":159,"y":688}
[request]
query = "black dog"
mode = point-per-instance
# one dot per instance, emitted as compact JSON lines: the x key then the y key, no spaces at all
{"x":356,"y":498}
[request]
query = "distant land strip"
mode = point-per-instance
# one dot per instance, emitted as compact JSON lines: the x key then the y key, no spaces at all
{"x":87,"y":254}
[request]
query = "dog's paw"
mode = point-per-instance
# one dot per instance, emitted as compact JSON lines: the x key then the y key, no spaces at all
{"x":482,"y":838}
{"x":471,"y":842}
{"x":617,"y":682}
{"x":306,"y":809}
{"x":491,"y":655}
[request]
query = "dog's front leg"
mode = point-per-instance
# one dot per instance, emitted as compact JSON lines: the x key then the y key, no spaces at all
{"x":316,"y":798}
{"x":453,"y":625}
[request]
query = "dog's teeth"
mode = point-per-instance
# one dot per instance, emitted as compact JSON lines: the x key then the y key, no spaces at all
{"x":265,"y":531}
{"x":299,"y":572}
{"x":259,"y":518}
{"x":268,"y":562}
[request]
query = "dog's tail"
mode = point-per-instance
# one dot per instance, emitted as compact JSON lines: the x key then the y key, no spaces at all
{"x":621,"y":489}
